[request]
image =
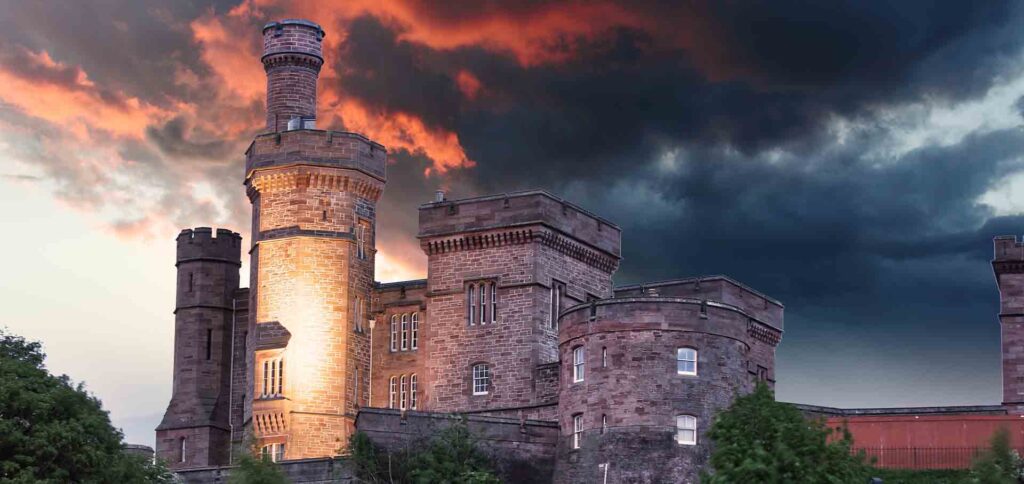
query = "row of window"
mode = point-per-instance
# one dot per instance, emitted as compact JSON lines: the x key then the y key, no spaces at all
{"x":405,"y":389}
{"x":686,"y":429}
{"x":481,"y":303}
{"x":405,"y":332}
{"x":686,"y":362}
{"x":273,"y":378}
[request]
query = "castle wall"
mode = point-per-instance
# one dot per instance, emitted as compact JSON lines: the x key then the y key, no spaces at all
{"x":396,"y":300}
{"x":632,"y":393}
{"x":1008,"y":265}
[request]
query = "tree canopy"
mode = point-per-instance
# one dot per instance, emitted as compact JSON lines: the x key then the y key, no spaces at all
{"x":54,"y":431}
{"x":760,"y":440}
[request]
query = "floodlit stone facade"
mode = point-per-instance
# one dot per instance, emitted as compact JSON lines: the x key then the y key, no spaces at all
{"x":315,"y":348}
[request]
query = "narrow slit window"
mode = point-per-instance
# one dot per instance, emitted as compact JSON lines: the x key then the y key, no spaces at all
{"x":557,"y":292}
{"x":470,"y":306}
{"x":209,"y":344}
{"x":191,"y":282}
{"x":494,"y":303}
{"x":604,"y":357}
{"x":483,"y":303}
{"x":181,"y":449}
{"x":402,"y":388}
{"x":412,"y":391}
{"x":394,"y":332}
{"x":392,"y":388}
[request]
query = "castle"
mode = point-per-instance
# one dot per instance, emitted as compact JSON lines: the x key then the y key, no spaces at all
{"x":517,"y":325}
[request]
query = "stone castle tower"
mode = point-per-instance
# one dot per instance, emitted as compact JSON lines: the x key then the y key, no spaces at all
{"x":195,"y":427}
{"x":313,"y":197}
{"x":1008,"y":265}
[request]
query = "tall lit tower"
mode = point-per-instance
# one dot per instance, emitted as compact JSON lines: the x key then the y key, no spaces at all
{"x":314,"y":196}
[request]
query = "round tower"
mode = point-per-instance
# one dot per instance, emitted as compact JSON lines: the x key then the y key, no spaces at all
{"x":292,"y":57}
{"x":194,"y":431}
{"x":641,"y":381}
{"x":314,"y":196}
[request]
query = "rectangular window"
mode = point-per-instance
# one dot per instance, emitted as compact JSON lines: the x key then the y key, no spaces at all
{"x":483,"y":303}
{"x":362,"y":235}
{"x":471,"y":304}
{"x":414,"y":335}
{"x":494,"y":302}
{"x":405,"y":332}
{"x":412,"y":392}
{"x":481,"y":379}
{"x":181,"y":449}
{"x":357,"y":314}
{"x":686,"y":361}
{"x":604,"y":423}
{"x":686,"y":430}
{"x":578,"y":363}
{"x":273,"y":378}
{"x":392,"y":388}
{"x":604,"y":357}
{"x":272,"y":452}
{"x":402,"y":393}
{"x":394,"y":333}
{"x":266,"y":378}
{"x":577,"y":430}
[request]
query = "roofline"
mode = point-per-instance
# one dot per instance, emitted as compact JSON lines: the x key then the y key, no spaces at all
{"x":522,"y":193}
{"x":894,"y":411}
{"x":670,"y":282}
{"x":394,"y":284}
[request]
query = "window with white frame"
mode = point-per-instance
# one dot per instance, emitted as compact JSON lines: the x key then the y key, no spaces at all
{"x":392,"y":391}
{"x":272,"y":452}
{"x":412,"y":391}
{"x":577,"y":430}
{"x":578,"y":363}
{"x":686,"y":430}
{"x":414,"y":331}
{"x":481,"y":303}
{"x":394,"y":332}
{"x":402,"y":392}
{"x":471,"y":304}
{"x":686,"y":361}
{"x":557,"y":293}
{"x":273,"y":378}
{"x":481,"y":379}
{"x":405,"y":332}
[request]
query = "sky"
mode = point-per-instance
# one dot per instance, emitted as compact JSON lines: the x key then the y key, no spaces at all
{"x":852,"y":159}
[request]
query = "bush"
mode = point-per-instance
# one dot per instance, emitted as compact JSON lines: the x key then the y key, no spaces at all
{"x":1000,"y":464}
{"x":252,"y":470}
{"x":760,"y":440}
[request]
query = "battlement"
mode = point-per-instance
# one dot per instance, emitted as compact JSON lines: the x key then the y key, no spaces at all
{"x":336,"y":149}
{"x":519,"y":209}
{"x":1007,"y":248}
{"x":292,"y":36}
{"x":201,"y":244}
{"x":713,"y":288}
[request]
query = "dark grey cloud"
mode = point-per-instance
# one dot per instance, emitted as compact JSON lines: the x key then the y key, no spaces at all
{"x":175,"y":138}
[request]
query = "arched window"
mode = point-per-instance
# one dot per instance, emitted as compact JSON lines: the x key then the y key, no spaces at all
{"x":604,"y":423}
{"x":578,"y":363}
{"x":392,"y":389}
{"x":412,"y":391}
{"x":402,"y":388}
{"x":481,"y":379}
{"x":471,"y":305}
{"x":405,"y":332}
{"x":686,"y":361}
{"x":686,"y":430}
{"x":394,"y":332}
{"x":414,"y":337}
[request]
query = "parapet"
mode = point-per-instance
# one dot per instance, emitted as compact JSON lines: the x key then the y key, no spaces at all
{"x":1006,"y":247}
{"x":713,"y":288}
{"x":292,"y":37}
{"x":314,"y":147}
{"x":519,"y":209}
{"x":200,"y":244}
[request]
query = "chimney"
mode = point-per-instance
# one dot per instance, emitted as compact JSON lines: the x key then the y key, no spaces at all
{"x":439,"y":196}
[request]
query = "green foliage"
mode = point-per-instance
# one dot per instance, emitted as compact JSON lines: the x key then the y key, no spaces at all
{"x":907,"y":476}
{"x":252,"y":470}
{"x":760,"y":440}
{"x":1000,"y":464}
{"x":450,"y":457}
{"x":54,"y":431}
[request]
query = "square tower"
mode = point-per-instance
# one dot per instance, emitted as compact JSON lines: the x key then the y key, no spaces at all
{"x":1008,"y":265}
{"x":500,"y":269}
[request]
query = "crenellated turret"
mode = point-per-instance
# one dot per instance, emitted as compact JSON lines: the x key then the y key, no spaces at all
{"x":195,"y":431}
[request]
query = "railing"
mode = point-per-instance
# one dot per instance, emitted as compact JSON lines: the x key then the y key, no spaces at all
{"x":923,"y":457}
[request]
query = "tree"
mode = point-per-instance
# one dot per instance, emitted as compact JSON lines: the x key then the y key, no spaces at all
{"x":760,"y":440}
{"x":1000,"y":464}
{"x":54,"y":431}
